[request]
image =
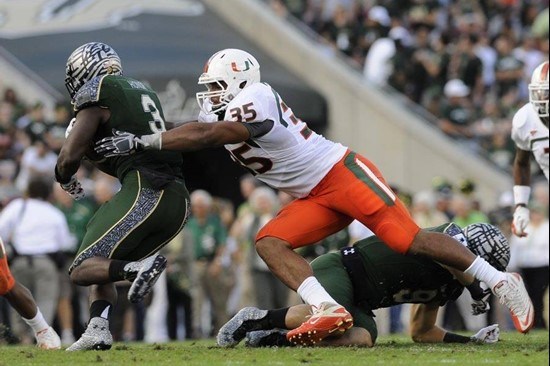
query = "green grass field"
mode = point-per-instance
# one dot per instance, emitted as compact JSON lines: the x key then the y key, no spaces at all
{"x":513,"y":349}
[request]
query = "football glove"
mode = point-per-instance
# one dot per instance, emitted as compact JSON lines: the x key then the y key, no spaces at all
{"x":74,"y":188}
{"x":488,"y":334}
{"x":521,"y":220}
{"x":481,"y":306}
{"x":120,"y":144}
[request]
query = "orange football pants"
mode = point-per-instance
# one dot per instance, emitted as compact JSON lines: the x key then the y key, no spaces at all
{"x":353,"y":189}
{"x":6,"y":279}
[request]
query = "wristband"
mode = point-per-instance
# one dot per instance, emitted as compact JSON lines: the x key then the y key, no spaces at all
{"x":58,"y":178}
{"x":154,"y":140}
{"x":455,"y":338}
{"x":521,"y":195}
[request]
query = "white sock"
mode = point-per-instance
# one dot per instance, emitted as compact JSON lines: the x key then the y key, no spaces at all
{"x":313,"y":293}
{"x":484,"y":272}
{"x":37,"y":323}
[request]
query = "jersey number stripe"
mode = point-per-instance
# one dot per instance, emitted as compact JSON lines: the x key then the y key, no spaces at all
{"x":157,"y":125}
{"x":264,"y":163}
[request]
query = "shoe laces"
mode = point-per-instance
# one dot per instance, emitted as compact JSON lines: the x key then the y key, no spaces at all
{"x":514,"y":300}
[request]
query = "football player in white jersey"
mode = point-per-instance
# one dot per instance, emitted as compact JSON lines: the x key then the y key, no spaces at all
{"x":332,"y":186}
{"x":530,"y":133}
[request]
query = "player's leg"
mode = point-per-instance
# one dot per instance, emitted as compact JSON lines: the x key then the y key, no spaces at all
{"x":331,"y":273}
{"x":122,"y":233}
{"x":20,"y":298}
{"x":333,"y":276}
{"x":300,"y":223}
{"x":364,"y":195}
{"x":97,"y":335}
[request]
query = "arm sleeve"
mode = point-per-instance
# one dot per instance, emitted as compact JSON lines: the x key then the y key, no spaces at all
{"x":258,"y":129}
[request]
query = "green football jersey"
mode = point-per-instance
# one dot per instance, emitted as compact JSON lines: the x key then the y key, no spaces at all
{"x":393,"y":278}
{"x":134,"y":108}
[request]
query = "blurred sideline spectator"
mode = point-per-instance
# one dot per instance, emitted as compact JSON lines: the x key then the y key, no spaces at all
{"x":179,"y":278}
{"x":530,"y":256}
{"x":270,"y":292}
{"x":213,"y":282}
{"x":77,"y":214}
{"x":38,"y":233}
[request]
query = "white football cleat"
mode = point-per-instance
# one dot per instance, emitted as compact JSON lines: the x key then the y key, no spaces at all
{"x":513,"y":294}
{"x":149,"y":272}
{"x":246,"y":320}
{"x":96,"y":337}
{"x":48,"y":339}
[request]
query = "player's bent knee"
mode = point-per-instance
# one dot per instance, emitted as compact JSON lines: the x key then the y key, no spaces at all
{"x":77,"y":277}
{"x":357,"y":337}
{"x":269,"y":243}
{"x":364,"y":338}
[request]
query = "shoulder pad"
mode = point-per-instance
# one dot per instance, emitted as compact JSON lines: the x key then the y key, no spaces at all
{"x":521,"y":116}
{"x":88,"y":94}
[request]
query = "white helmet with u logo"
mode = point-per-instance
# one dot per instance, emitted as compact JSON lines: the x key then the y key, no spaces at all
{"x":232,"y":70}
{"x":538,"y":90}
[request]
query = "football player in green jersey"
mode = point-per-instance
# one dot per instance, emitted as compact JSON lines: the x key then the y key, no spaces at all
{"x":151,"y":207}
{"x":370,"y":276}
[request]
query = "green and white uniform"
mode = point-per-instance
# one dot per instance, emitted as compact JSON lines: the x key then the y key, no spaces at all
{"x":152,"y":205}
{"x":388,"y":278}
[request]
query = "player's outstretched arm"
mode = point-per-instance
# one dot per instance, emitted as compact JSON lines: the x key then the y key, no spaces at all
{"x":188,"y":137}
{"x":424,"y":330}
{"x":198,"y":135}
{"x":522,"y":190}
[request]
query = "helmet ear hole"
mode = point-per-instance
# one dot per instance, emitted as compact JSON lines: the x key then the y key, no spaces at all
{"x":243,"y":84}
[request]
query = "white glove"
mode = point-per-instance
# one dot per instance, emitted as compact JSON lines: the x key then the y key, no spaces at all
{"x":74,"y":188}
{"x":488,"y":334}
{"x":126,"y":143}
{"x":521,"y":220}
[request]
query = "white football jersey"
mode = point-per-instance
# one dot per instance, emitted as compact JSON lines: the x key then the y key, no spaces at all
{"x":530,"y":134}
{"x":290,"y":157}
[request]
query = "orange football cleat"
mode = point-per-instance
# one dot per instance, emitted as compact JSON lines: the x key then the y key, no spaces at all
{"x":328,"y":319}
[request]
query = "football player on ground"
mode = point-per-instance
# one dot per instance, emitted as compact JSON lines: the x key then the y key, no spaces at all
{"x":530,"y":133}
{"x":150,"y":209}
{"x":370,"y":276}
{"x":332,"y":184}
{"x":20,"y":298}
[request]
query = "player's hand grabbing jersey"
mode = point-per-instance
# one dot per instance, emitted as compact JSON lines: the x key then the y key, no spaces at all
{"x":290,"y":156}
{"x":530,"y":134}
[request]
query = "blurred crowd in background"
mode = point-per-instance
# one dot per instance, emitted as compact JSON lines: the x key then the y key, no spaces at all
{"x":466,"y":62}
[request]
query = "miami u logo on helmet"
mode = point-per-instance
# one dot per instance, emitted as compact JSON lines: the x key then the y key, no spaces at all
{"x":247,"y":65}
